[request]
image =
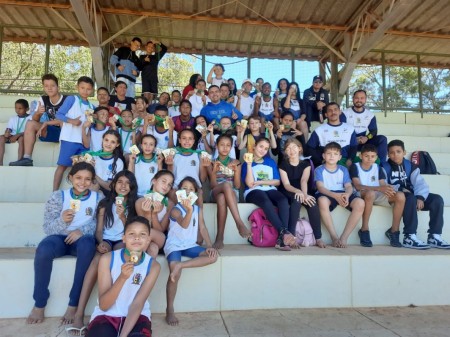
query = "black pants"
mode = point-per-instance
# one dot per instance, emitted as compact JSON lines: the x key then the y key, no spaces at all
{"x":434,"y":203}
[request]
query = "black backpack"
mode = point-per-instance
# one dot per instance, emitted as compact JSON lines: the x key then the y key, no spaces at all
{"x":424,"y":162}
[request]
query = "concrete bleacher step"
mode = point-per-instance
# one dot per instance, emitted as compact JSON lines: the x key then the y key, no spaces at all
{"x":44,"y":154}
{"x":306,"y":278}
{"x":23,"y":223}
{"x":401,"y":130}
{"x":430,"y":144}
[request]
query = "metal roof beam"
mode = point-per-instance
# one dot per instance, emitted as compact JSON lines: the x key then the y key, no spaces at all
{"x":87,"y":18}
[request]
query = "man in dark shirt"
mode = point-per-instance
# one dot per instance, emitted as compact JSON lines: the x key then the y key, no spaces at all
{"x":314,"y":99}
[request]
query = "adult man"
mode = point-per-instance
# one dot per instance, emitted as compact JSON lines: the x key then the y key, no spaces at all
{"x":120,"y":100}
{"x":216,"y":109}
{"x":267,"y":106}
{"x":43,"y":123}
{"x":126,"y":62}
{"x":148,"y":64}
{"x":365,"y":124}
{"x":334,"y":131}
{"x":315,"y":98}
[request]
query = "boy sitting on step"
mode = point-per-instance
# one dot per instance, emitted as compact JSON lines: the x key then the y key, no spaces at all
{"x":405,"y":177}
{"x":334,"y":187}
{"x":369,"y":180}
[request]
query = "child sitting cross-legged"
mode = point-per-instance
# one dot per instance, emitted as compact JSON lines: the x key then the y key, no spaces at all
{"x":186,"y":221}
{"x":334,"y":187}
{"x":405,"y":177}
{"x":369,"y":180}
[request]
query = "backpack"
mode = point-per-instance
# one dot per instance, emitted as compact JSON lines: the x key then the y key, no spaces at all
{"x":263,"y":233}
{"x":304,"y":234}
{"x":424,"y":162}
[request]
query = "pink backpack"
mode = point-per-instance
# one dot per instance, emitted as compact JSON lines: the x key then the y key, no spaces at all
{"x":263,"y":233}
{"x":304,"y":233}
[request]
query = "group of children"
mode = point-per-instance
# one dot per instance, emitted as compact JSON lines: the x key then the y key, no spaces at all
{"x":132,"y":170}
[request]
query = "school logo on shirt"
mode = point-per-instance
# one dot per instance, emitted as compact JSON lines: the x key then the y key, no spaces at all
{"x":358,"y":120}
{"x":137,"y":278}
{"x":336,"y":134}
{"x":193,"y":163}
{"x":261,"y":175}
{"x":152,"y":169}
{"x":110,"y":167}
{"x":166,"y":138}
{"x":89,"y":211}
{"x":372,"y":178}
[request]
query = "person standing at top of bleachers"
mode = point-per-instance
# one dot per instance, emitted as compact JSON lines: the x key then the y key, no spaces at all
{"x":43,"y":123}
{"x":315,"y":99}
{"x":126,"y":61}
{"x":14,"y":130}
{"x":405,"y":177}
{"x":73,"y":114}
{"x":365,"y":124}
{"x":218,"y":70}
{"x":148,"y":65}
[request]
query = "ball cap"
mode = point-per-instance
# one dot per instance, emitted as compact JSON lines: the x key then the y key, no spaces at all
{"x":317,"y":78}
{"x":247,"y":80}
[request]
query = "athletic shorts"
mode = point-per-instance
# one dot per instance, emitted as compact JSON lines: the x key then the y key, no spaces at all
{"x":109,"y":326}
{"x":112,"y":243}
{"x":53,"y":133}
{"x":67,"y":150}
{"x":380,"y":199}
{"x":149,"y":86}
{"x":334,"y":203}
{"x":190,"y":252}
{"x":268,"y":118}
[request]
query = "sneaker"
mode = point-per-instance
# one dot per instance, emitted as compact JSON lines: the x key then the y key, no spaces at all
{"x":22,"y":162}
{"x":436,"y":241}
{"x":411,"y":241}
{"x":364,"y":238}
{"x":394,"y":238}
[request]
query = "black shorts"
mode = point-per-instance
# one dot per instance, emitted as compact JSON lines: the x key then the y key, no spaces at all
{"x":149,"y":85}
{"x":334,"y":203}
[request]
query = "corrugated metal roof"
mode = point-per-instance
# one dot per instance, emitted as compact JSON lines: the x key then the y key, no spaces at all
{"x":268,"y":29}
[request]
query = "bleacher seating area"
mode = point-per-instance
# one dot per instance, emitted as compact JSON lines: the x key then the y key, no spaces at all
{"x":244,"y":277}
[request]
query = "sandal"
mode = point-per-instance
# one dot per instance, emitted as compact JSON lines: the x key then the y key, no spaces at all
{"x":280,"y":244}
{"x":72,"y":331}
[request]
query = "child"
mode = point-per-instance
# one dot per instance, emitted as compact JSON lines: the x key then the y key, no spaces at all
{"x":15,"y":128}
{"x":187,"y":163}
{"x":294,"y":104}
{"x":198,"y":99}
{"x":148,"y":65}
{"x":161,"y":127}
{"x":369,"y":180}
{"x":185,"y":119}
{"x":145,"y":164}
{"x":72,"y":113}
{"x":69,"y":222}
{"x":261,"y":176}
{"x":174,"y":104}
{"x":128,"y":132}
{"x":295,"y":176}
{"x":218,"y":70}
{"x":112,"y":214}
{"x":245,"y":103}
{"x":186,"y":221}
{"x":92,"y":135}
{"x":249,"y":140}
{"x":125,"y":281}
{"x":141,"y":108}
{"x":225,"y":180}
{"x":202,"y":142}
{"x":157,"y":212}
{"x":405,"y":177}
{"x":162,"y":100}
{"x":286,"y":131}
{"x":225,"y":127}
{"x":43,"y":123}
{"x":109,"y":162}
{"x":334,"y":187}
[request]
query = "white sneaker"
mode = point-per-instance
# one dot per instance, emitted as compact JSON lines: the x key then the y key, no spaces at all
{"x":436,"y":241}
{"x":412,"y":241}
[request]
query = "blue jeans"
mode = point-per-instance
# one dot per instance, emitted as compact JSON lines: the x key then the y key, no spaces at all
{"x":52,"y":247}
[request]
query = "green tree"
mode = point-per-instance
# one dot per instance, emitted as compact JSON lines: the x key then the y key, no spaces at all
{"x":174,"y":72}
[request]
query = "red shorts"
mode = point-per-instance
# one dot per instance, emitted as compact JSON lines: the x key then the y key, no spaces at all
{"x":107,"y":326}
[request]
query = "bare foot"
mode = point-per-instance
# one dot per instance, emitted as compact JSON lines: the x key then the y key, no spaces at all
{"x":175,"y":272}
{"x":289,"y":240}
{"x":36,"y":316}
{"x":69,"y":315}
{"x":336,"y":243}
{"x":218,"y":244}
{"x":320,"y":243}
{"x":244,"y":231}
{"x":343,"y":243}
{"x":171,"y":319}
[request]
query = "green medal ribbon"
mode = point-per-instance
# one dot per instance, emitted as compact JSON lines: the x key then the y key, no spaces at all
{"x":77,"y":197}
{"x":267,"y":133}
{"x":151,"y":160}
{"x":98,"y":153}
{"x":224,"y":162}
{"x":126,"y":138}
{"x":19,"y":127}
{"x":96,"y":121}
{"x":180,"y":150}
{"x":137,"y":124}
{"x":127,"y":252}
{"x":164,"y":201}
{"x":159,"y":121}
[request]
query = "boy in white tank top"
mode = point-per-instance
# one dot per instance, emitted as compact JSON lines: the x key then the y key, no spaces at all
{"x":133,"y":273}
